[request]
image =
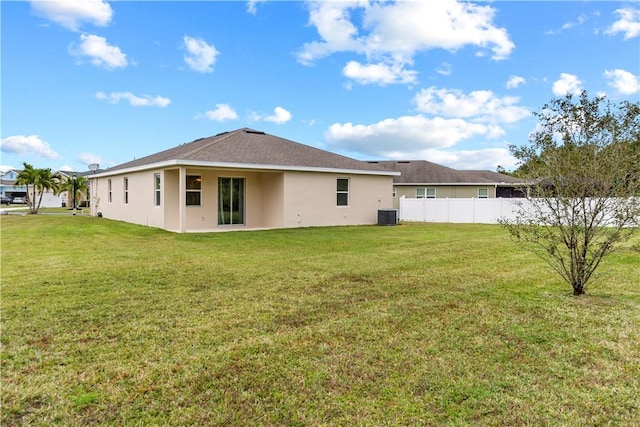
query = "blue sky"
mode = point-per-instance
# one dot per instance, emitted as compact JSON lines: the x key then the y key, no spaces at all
{"x":451,"y":82}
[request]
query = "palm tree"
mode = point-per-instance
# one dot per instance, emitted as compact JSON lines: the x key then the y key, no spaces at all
{"x":76,"y":186}
{"x":40,"y":181}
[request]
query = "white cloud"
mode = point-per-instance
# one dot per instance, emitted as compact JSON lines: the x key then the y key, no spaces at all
{"x":27,"y":145}
{"x":397,"y":138}
{"x":134,"y":100}
{"x":221,"y":113}
{"x":280,"y":116}
{"x":479,"y":106}
{"x":515,"y":81}
{"x":623,"y":81}
{"x":101,"y":53}
{"x":252,"y":6}
{"x":382,"y":74}
{"x":393,"y":32}
{"x":200,"y":56}
{"x":629,"y":23}
{"x":88,"y":158}
{"x":567,"y":84}
{"x":72,"y":13}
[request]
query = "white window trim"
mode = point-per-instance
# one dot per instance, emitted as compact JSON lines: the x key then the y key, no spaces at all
{"x":191,"y":190}
{"x":344,"y":192}
{"x":125,"y":184}
{"x":157,"y":187}
{"x":486,"y":196}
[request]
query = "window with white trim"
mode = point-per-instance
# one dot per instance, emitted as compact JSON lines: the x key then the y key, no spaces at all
{"x":156,"y":184}
{"x":342,"y":191}
{"x":425,"y":193}
{"x":109,"y":190}
{"x":126,"y":190}
{"x":194,"y":190}
{"x":483,"y":193}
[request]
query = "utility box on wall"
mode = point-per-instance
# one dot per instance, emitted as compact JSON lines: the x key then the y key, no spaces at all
{"x":387,"y":217}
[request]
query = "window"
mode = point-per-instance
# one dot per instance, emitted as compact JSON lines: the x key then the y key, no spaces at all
{"x":426,"y":193}
{"x":483,"y":193}
{"x":126,"y":190}
{"x":342,"y":191}
{"x":109,"y":189}
{"x":156,"y":179}
{"x":394,"y":193}
{"x":230,"y":201}
{"x":194,"y":190}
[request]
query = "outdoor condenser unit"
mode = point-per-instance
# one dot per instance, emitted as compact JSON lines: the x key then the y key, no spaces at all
{"x":387,"y":217}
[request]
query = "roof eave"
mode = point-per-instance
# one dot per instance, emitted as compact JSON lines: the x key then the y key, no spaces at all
{"x":224,"y":165}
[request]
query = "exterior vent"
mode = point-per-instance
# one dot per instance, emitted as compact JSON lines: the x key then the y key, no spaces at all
{"x":387,"y":217}
{"x":256,"y":132}
{"x":221,"y":133}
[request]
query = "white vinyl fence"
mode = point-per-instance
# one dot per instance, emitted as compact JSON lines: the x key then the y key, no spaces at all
{"x":484,"y":211}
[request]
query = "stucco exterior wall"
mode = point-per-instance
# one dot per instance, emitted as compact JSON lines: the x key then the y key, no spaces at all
{"x":310,"y":199}
{"x":443,"y":191}
{"x":272,"y":199}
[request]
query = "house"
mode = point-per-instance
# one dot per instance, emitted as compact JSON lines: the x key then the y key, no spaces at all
{"x":8,"y":187}
{"x":244,"y":179}
{"x":423,"y":179}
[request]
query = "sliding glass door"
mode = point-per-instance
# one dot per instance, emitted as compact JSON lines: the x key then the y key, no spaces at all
{"x":230,"y":201}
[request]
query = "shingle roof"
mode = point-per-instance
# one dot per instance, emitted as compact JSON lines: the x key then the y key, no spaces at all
{"x":424,"y":172}
{"x":250,"y":147}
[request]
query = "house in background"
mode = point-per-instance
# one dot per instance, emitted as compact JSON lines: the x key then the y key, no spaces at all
{"x":8,"y":187}
{"x":423,"y":179}
{"x":240,"y":180}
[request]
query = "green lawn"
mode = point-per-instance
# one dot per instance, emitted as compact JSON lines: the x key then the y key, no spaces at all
{"x":113,"y":324}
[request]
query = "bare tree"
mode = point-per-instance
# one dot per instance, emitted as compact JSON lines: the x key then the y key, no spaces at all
{"x":582,"y":166}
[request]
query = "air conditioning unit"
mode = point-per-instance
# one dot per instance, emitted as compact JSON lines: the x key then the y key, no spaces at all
{"x":387,"y":217}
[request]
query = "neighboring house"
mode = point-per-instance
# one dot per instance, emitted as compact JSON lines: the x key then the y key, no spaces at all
{"x":423,"y":179}
{"x":8,"y":187}
{"x":240,"y":180}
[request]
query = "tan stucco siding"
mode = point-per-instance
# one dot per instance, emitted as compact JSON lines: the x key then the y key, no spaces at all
{"x":273,"y":199}
{"x":138,"y":208}
{"x":310,"y":199}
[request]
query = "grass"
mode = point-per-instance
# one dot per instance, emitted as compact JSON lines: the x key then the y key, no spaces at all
{"x":106,"y":323}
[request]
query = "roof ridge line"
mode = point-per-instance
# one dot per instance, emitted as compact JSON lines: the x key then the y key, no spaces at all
{"x":214,"y":140}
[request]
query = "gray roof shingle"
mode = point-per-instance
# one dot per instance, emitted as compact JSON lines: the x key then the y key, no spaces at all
{"x":424,"y":172}
{"x":250,"y":147}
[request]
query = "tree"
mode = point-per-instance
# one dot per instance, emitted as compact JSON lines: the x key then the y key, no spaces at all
{"x":76,"y":186}
{"x":39,"y":181}
{"x":582,"y":167}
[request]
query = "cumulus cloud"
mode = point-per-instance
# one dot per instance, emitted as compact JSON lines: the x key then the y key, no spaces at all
{"x":480,"y":106}
{"x":393,"y":32}
{"x":515,"y":81}
{"x":628,"y":24}
{"x":134,"y":100}
{"x":567,"y":84}
{"x":279,"y":116}
{"x":100,"y":53}
{"x":395,"y":138}
{"x":27,"y":145}
{"x":72,"y":13}
{"x":382,"y":74}
{"x":200,"y":56}
{"x":221,"y":113}
{"x":623,"y":81}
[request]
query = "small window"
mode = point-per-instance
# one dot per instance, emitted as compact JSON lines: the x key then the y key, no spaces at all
{"x":126,"y":190}
{"x":426,"y":193}
{"x":483,"y":193}
{"x":194,"y":190}
{"x":342,"y":186}
{"x":156,"y":179}
{"x":109,"y":189}
{"x":394,"y":193}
